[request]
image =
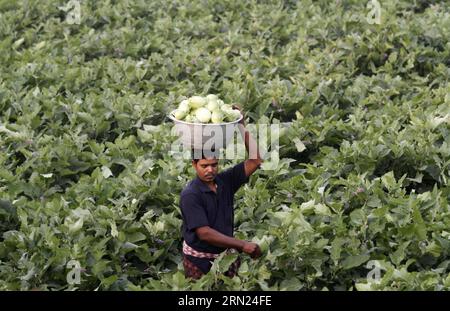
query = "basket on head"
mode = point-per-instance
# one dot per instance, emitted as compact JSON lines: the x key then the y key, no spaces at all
{"x":205,"y":136}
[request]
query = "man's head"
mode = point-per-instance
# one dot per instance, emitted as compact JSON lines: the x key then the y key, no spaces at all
{"x":206,"y":167}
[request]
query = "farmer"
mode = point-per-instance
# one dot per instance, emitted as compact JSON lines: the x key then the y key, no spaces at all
{"x":207,"y":208}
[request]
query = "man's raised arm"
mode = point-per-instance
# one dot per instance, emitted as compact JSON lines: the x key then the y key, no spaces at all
{"x":254,"y":159}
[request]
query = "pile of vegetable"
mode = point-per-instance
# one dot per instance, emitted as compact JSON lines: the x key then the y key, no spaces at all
{"x":209,"y":109}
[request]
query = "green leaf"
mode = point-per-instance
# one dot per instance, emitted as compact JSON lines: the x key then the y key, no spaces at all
{"x":106,"y":172}
{"x":354,"y":261}
{"x":358,"y":217}
{"x":322,"y":209}
{"x":299,"y":145}
{"x":135,"y":237}
{"x":419,"y":224}
{"x":76,"y":226}
{"x":225,"y":262}
{"x":398,"y":256}
{"x":336,"y":248}
{"x":107,"y":282}
{"x":291,"y":284}
{"x":114,"y":232}
{"x":364,"y":287}
{"x":388,"y":181}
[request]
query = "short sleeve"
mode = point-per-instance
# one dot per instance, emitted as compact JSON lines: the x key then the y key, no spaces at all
{"x":193,"y":211}
{"x":235,"y":176}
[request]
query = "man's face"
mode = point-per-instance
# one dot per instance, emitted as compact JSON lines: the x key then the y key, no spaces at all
{"x":206,"y":169}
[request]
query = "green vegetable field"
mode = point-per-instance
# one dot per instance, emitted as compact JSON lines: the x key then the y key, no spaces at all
{"x":359,"y":199}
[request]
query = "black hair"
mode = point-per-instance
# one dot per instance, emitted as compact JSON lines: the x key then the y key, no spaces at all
{"x":198,"y":154}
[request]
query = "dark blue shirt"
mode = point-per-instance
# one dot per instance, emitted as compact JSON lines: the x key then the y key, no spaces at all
{"x":200,"y":206}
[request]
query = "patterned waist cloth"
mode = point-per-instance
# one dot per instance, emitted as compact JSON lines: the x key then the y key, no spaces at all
{"x":187,"y":250}
{"x":194,"y":272}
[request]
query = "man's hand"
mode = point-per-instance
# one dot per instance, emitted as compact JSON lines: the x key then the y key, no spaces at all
{"x":254,"y":161}
{"x":216,"y":238}
{"x":252,"y":249}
